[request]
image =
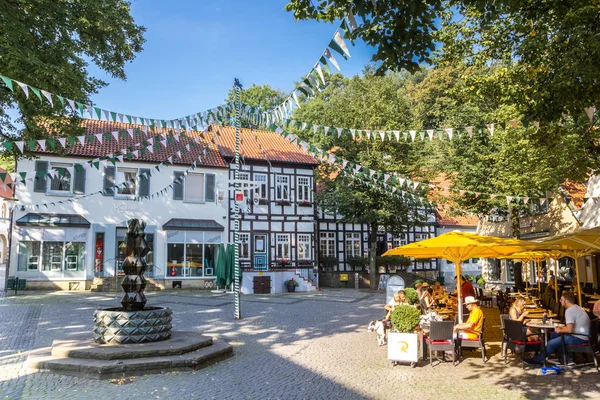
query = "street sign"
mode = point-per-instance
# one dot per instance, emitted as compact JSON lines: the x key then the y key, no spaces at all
{"x":239,"y":196}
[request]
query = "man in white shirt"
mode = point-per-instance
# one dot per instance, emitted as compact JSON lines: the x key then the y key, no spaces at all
{"x":576,"y":320}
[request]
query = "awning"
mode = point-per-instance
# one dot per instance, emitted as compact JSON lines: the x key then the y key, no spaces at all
{"x":64,"y":220}
{"x":183,"y":224}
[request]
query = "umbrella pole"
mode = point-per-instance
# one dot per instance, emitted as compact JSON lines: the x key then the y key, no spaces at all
{"x":578,"y":282}
{"x":556,"y":280}
{"x":458,"y":267}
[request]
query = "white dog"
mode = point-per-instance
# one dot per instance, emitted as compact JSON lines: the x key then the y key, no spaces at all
{"x":379,"y":328}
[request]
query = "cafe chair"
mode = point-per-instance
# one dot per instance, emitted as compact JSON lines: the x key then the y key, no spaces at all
{"x":503,"y":318}
{"x":588,"y":347}
{"x":482,"y":298}
{"x":441,"y":338}
{"x":517,"y":340}
{"x":501,"y":302}
{"x":478,"y":343}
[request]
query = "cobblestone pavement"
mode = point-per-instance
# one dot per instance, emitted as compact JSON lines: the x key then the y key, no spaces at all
{"x":287,"y":346}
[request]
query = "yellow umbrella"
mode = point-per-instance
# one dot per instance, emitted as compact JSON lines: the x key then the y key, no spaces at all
{"x":460,"y":246}
{"x":538,"y":256}
{"x":574,"y":245}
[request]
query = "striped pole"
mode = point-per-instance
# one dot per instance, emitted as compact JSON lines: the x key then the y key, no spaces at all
{"x":237,"y":87}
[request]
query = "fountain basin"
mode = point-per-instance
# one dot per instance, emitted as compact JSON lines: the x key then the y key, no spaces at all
{"x":116,"y":326}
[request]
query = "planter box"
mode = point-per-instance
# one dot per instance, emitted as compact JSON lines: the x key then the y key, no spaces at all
{"x":405,"y":347}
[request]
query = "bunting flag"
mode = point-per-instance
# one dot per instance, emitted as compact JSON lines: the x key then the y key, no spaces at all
{"x":357,"y":169}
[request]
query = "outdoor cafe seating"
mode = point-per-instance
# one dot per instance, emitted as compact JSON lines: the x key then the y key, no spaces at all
{"x":588,"y":348}
{"x":518,"y":340}
{"x":478,"y":343}
{"x":441,"y":338}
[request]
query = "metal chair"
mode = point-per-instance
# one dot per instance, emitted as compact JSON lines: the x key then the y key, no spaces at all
{"x":517,"y":340}
{"x":588,"y":348}
{"x":501,"y":302}
{"x":441,"y":338}
{"x":477,"y":343}
{"x":482,"y":298}
{"x":503,"y":349}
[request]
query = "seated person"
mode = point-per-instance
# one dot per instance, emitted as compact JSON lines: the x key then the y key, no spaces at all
{"x":577,"y":321}
{"x":427,"y":300}
{"x":468,"y":329}
{"x":550,"y":288}
{"x":517,"y":312}
{"x":398,"y":300}
{"x":596,"y":309}
{"x":419,"y":289}
{"x":438,"y":290}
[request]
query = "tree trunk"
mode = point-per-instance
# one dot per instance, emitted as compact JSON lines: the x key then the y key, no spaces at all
{"x":515,"y":223}
{"x":372,"y":256}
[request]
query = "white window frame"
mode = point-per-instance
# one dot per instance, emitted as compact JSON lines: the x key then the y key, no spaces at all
{"x":421,"y":236}
{"x":54,"y":166}
{"x":399,"y":240}
{"x":119,"y":181}
{"x":303,"y":190}
{"x":244,"y":186}
{"x":351,"y":238}
{"x":244,"y":247}
{"x":282,"y":184}
{"x":304,"y":246}
{"x":327,"y":239}
{"x":282,"y":249}
{"x":261,"y":191}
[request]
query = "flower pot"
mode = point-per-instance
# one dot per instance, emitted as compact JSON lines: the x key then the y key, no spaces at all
{"x":405,"y":347}
{"x":291,"y":288}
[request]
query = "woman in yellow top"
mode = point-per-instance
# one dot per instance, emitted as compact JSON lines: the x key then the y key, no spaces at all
{"x":474,"y":323}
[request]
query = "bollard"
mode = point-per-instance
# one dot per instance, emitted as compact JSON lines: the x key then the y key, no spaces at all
{"x":356,"y":280}
{"x":16,"y":284}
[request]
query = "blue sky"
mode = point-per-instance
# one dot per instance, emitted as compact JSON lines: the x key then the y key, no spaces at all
{"x":194,"y":50}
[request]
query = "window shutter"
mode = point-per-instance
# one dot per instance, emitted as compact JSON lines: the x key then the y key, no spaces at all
{"x":39,"y":183}
{"x":209,"y":189}
{"x":109,"y":181}
{"x":144,"y":178}
{"x":178,"y":187}
{"x":79,"y":180}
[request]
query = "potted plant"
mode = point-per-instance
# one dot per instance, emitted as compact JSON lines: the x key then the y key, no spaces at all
{"x":283,"y":202}
{"x":291,"y":284}
{"x":411,"y":296}
{"x":304,"y":203}
{"x":405,"y":339}
{"x":328,"y":262}
{"x":304,"y":262}
{"x":263,"y":201}
{"x":283,"y":262}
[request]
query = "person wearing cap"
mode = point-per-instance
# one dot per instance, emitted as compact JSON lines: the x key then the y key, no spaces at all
{"x":474,"y":323}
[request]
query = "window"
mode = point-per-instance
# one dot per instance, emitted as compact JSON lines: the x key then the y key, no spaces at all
{"x":74,"y":256}
{"x":51,"y":256}
{"x":245,"y":186}
{"x":421,"y":236}
{"x":199,"y":188}
{"x":244,"y":251}
{"x":353,"y":244}
{"x":127,"y":176}
{"x":510,"y":271}
{"x":303,"y":188}
{"x":493,"y":269}
{"x":29,"y":256}
{"x":282,"y":189}
{"x":260,"y":191}
{"x":121,"y":252}
{"x":399,"y":240}
{"x":304,"y":247}
{"x":61,"y":182}
{"x":283,"y":246}
{"x":327,"y":244}
{"x":4,"y":211}
{"x":192,"y":254}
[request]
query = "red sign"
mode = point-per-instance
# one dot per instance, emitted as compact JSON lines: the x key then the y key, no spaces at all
{"x":99,"y":257}
{"x":239,"y":196}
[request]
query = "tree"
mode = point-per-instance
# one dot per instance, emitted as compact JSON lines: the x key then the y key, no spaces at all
{"x":549,"y":50}
{"x":262,"y":96}
{"x":377,"y":102}
{"x":48,"y":44}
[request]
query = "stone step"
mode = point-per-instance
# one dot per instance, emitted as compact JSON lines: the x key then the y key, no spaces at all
{"x":179,"y":343}
{"x":43,"y":360}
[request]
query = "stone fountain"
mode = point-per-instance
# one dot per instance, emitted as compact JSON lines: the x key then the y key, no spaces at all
{"x":132,"y":339}
{"x":133,"y":322}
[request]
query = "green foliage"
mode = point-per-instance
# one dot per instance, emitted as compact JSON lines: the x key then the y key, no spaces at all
{"x":416,"y":282}
{"x":399,"y":261}
{"x":480,"y":281}
{"x":357,"y":263}
{"x":468,"y":277}
{"x":411,"y":296}
{"x":263,"y":96}
{"x":328,"y":261}
{"x":48,"y":44}
{"x":291,"y":282}
{"x":405,"y":319}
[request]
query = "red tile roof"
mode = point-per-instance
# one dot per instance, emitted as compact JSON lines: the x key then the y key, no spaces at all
{"x":575,"y":191}
{"x":275,"y":147}
{"x":456,"y":220}
{"x":211,"y":159}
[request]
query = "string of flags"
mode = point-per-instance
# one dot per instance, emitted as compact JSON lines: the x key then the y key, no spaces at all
{"x":313,"y":81}
{"x":133,"y":151}
{"x":196,"y":121}
{"x":391,"y":179}
{"x":416,"y":134}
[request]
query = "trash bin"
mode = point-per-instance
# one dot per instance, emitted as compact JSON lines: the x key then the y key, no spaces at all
{"x":394,"y":284}
{"x":22,"y":283}
{"x":10,"y":283}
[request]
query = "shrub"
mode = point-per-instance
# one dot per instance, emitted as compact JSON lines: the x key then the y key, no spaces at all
{"x":415,"y":283}
{"x":328,"y":261}
{"x":480,"y":281}
{"x":357,"y":263}
{"x":469,"y":278}
{"x":411,"y":295}
{"x":405,"y":319}
{"x":398,"y":261}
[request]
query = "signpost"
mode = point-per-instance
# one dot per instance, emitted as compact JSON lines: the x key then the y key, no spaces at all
{"x":237,"y":87}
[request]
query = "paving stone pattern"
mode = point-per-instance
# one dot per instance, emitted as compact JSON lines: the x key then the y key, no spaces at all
{"x":287,"y":346}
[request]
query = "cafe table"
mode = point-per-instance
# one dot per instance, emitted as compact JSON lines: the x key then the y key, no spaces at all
{"x":537,"y":323}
